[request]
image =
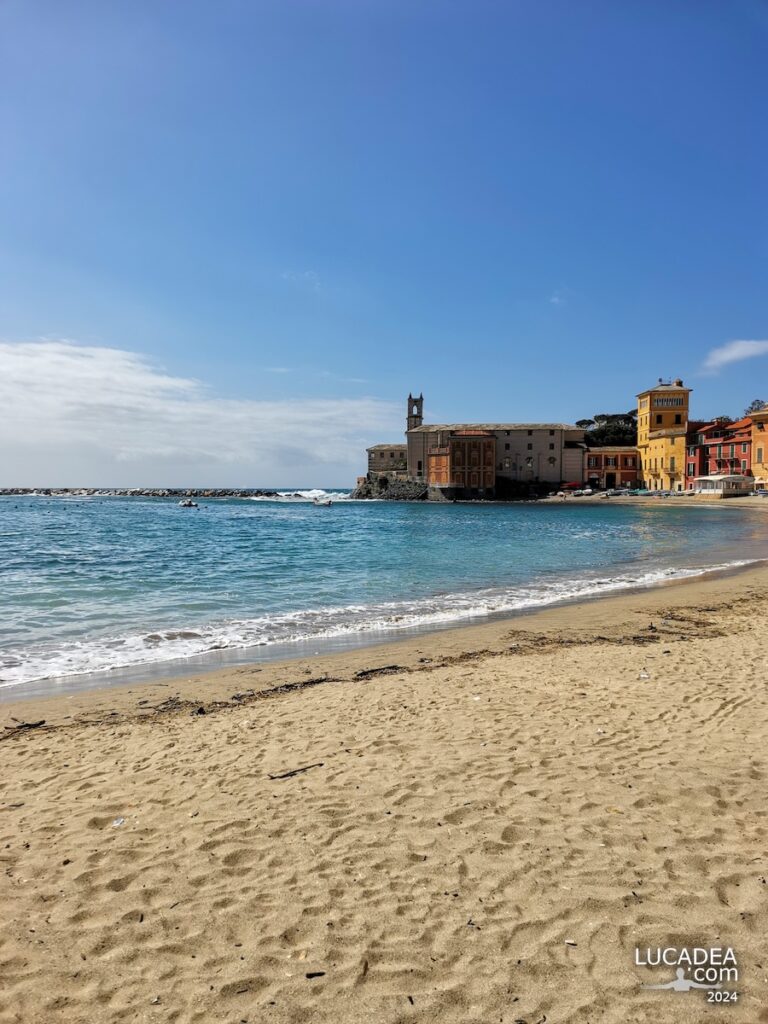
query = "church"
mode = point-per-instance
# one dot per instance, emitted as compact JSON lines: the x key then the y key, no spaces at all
{"x":483,"y":460}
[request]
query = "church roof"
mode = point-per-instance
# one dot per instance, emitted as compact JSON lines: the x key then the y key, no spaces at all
{"x":431,"y":427}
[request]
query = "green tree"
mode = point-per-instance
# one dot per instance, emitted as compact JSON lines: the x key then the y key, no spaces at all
{"x":610,"y":428}
{"x":755,"y":406}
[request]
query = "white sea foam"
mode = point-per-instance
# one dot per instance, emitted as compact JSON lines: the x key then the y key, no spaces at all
{"x":23,"y":665}
{"x":315,"y":494}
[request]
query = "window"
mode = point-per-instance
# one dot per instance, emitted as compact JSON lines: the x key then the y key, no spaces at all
{"x":672,"y":464}
{"x":743,"y":465}
{"x":506,"y":433}
{"x":733,"y":450}
{"x":506,"y":447}
{"x":391,"y":455}
{"x":691,"y":468}
{"x":530,"y":446}
{"x":551,"y":447}
{"x":629,"y":461}
{"x":418,"y":467}
{"x":759,"y":455}
{"x":658,"y":417}
{"x":530,"y":433}
{"x":591,"y":461}
{"x":551,"y":433}
{"x":743,"y":448}
{"x":610,"y":460}
{"x":678,"y":418}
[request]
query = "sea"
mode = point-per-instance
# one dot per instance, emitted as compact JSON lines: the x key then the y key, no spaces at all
{"x":98,"y":590}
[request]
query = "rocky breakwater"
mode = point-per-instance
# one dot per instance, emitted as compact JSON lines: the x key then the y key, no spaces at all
{"x":142,"y":492}
{"x":391,"y":490}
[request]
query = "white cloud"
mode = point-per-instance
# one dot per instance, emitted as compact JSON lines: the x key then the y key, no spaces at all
{"x":733,"y":352}
{"x":556,"y":299}
{"x":80,"y":415}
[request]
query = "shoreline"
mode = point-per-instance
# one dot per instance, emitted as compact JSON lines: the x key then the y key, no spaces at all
{"x":214,"y":663}
{"x":617,"y":610}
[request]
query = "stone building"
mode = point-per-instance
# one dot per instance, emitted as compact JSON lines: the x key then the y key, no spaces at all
{"x":461,"y":458}
{"x":387,"y":459}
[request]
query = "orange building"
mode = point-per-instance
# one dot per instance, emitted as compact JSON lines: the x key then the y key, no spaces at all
{"x":465,"y":463}
{"x":612,"y":466}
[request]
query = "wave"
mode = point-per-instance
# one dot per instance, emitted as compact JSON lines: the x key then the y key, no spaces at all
{"x":49,"y":661}
{"x":316,"y":493}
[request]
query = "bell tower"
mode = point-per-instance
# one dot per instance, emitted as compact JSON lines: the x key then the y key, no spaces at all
{"x":415,"y":412}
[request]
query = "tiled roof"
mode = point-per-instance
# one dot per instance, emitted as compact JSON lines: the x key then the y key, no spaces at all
{"x":431,"y":427}
{"x":387,"y":447}
{"x":661,"y":386}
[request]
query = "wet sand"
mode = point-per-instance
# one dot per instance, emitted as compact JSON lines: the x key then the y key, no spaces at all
{"x":478,"y":825}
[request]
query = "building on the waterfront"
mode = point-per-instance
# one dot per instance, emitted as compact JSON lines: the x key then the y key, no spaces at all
{"x":479,"y":459}
{"x":723,"y":485}
{"x":760,"y":446}
{"x":611,"y":466}
{"x":662,"y":423}
{"x":387,"y":460}
{"x":718,"y":449}
{"x":517,"y":453}
{"x":464,"y":462}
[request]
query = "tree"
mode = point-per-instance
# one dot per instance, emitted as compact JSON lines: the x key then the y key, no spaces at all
{"x":754,"y":406}
{"x":610,"y":428}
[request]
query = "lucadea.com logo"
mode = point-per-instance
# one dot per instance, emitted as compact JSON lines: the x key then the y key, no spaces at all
{"x":712,"y":969}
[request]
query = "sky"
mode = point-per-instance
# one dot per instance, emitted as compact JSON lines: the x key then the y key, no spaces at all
{"x":235,"y":235}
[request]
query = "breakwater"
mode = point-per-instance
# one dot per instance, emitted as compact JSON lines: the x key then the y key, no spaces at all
{"x":146,"y":492}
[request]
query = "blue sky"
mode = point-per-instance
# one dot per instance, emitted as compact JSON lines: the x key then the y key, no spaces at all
{"x":528,"y":210}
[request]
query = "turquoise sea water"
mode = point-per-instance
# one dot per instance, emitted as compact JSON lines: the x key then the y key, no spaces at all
{"x":97,"y":584}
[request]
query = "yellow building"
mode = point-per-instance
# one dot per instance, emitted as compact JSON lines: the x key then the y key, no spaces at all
{"x":760,"y":447}
{"x":662,"y":422}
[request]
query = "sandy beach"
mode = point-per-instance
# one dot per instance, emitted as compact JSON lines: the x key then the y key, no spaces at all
{"x":478,"y":825}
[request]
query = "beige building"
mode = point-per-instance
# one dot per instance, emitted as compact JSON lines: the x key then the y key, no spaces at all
{"x":523,"y":452}
{"x":662,"y":422}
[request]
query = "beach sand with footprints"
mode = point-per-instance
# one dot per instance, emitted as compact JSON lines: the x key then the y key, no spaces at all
{"x":474,"y":826}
